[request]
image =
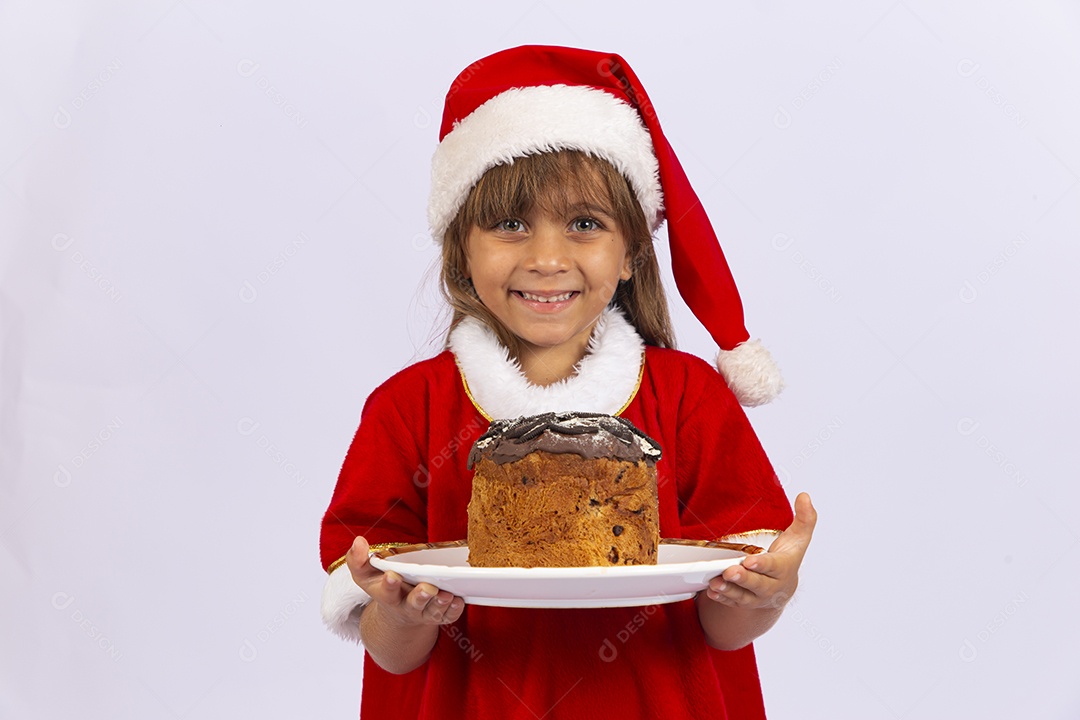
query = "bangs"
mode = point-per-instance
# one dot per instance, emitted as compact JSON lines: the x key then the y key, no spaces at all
{"x":559,"y":183}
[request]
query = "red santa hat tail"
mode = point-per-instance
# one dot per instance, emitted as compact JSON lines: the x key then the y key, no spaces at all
{"x":534,"y":99}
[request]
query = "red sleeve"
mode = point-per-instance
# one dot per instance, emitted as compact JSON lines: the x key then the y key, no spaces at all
{"x":377,"y":497}
{"x":727,"y":486}
{"x":377,"y":494}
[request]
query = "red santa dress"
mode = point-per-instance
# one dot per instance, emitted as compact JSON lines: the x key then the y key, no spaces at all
{"x":405,"y":480}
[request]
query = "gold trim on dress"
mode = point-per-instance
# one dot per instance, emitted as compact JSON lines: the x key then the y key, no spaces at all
{"x":637,"y":385}
{"x":465,"y":384}
{"x":390,"y":549}
{"x":382,"y":546}
{"x":372,"y":549}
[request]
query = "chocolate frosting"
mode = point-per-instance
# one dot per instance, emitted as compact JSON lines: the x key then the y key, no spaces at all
{"x":590,"y":435}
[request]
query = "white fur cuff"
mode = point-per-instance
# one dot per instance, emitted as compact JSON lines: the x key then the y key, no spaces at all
{"x":342,"y":601}
{"x":751,"y":373}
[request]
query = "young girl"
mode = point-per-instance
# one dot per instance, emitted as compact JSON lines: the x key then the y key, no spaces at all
{"x":550,"y":179}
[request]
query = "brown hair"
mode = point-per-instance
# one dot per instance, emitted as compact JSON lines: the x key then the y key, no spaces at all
{"x":543,"y":181}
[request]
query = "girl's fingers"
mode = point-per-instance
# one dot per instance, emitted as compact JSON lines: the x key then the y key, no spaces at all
{"x":438,"y":607}
{"x":753,"y":581}
{"x":386,"y":589}
{"x":454,"y":610}
{"x":423,"y":602}
{"x":421,"y":596}
{"x":739,"y":587}
{"x":729,"y":594}
{"x":797,"y":537}
{"x":357,"y":560}
{"x":763,"y":564}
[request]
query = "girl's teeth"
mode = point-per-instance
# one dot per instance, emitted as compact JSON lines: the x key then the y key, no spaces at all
{"x":554,"y":298}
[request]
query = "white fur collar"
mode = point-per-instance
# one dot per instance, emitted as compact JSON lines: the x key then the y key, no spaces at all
{"x":606,"y":380}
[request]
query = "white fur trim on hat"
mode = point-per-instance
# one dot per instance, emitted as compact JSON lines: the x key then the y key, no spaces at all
{"x":342,"y":601}
{"x":751,"y":373}
{"x":606,"y":379}
{"x":530,"y":120}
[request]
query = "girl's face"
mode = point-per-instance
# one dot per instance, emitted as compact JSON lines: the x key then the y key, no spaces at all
{"x":548,"y":276}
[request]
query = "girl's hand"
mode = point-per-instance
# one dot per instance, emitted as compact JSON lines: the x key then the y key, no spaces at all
{"x":769,"y":579}
{"x":400,"y":603}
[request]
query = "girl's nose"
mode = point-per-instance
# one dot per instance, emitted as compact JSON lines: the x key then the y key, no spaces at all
{"x":548,"y":249}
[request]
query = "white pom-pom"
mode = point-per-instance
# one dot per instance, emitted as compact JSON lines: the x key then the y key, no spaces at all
{"x":751,"y":373}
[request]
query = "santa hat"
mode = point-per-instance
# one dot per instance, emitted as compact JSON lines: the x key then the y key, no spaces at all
{"x":533,"y":99}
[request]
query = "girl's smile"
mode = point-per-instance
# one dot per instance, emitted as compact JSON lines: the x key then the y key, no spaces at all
{"x":546,"y":302}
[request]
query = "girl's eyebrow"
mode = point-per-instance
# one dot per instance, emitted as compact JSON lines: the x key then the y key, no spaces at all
{"x":587,"y":208}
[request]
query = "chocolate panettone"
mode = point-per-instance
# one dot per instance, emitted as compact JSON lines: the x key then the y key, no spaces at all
{"x":563,"y":490}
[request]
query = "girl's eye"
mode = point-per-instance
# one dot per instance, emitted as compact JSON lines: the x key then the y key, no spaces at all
{"x":509,"y":225}
{"x":586,"y":224}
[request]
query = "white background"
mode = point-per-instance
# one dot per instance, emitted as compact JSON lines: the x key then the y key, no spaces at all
{"x":214,"y":246}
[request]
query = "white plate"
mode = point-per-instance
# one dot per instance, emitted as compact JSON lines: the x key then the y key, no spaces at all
{"x":683,"y":568}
